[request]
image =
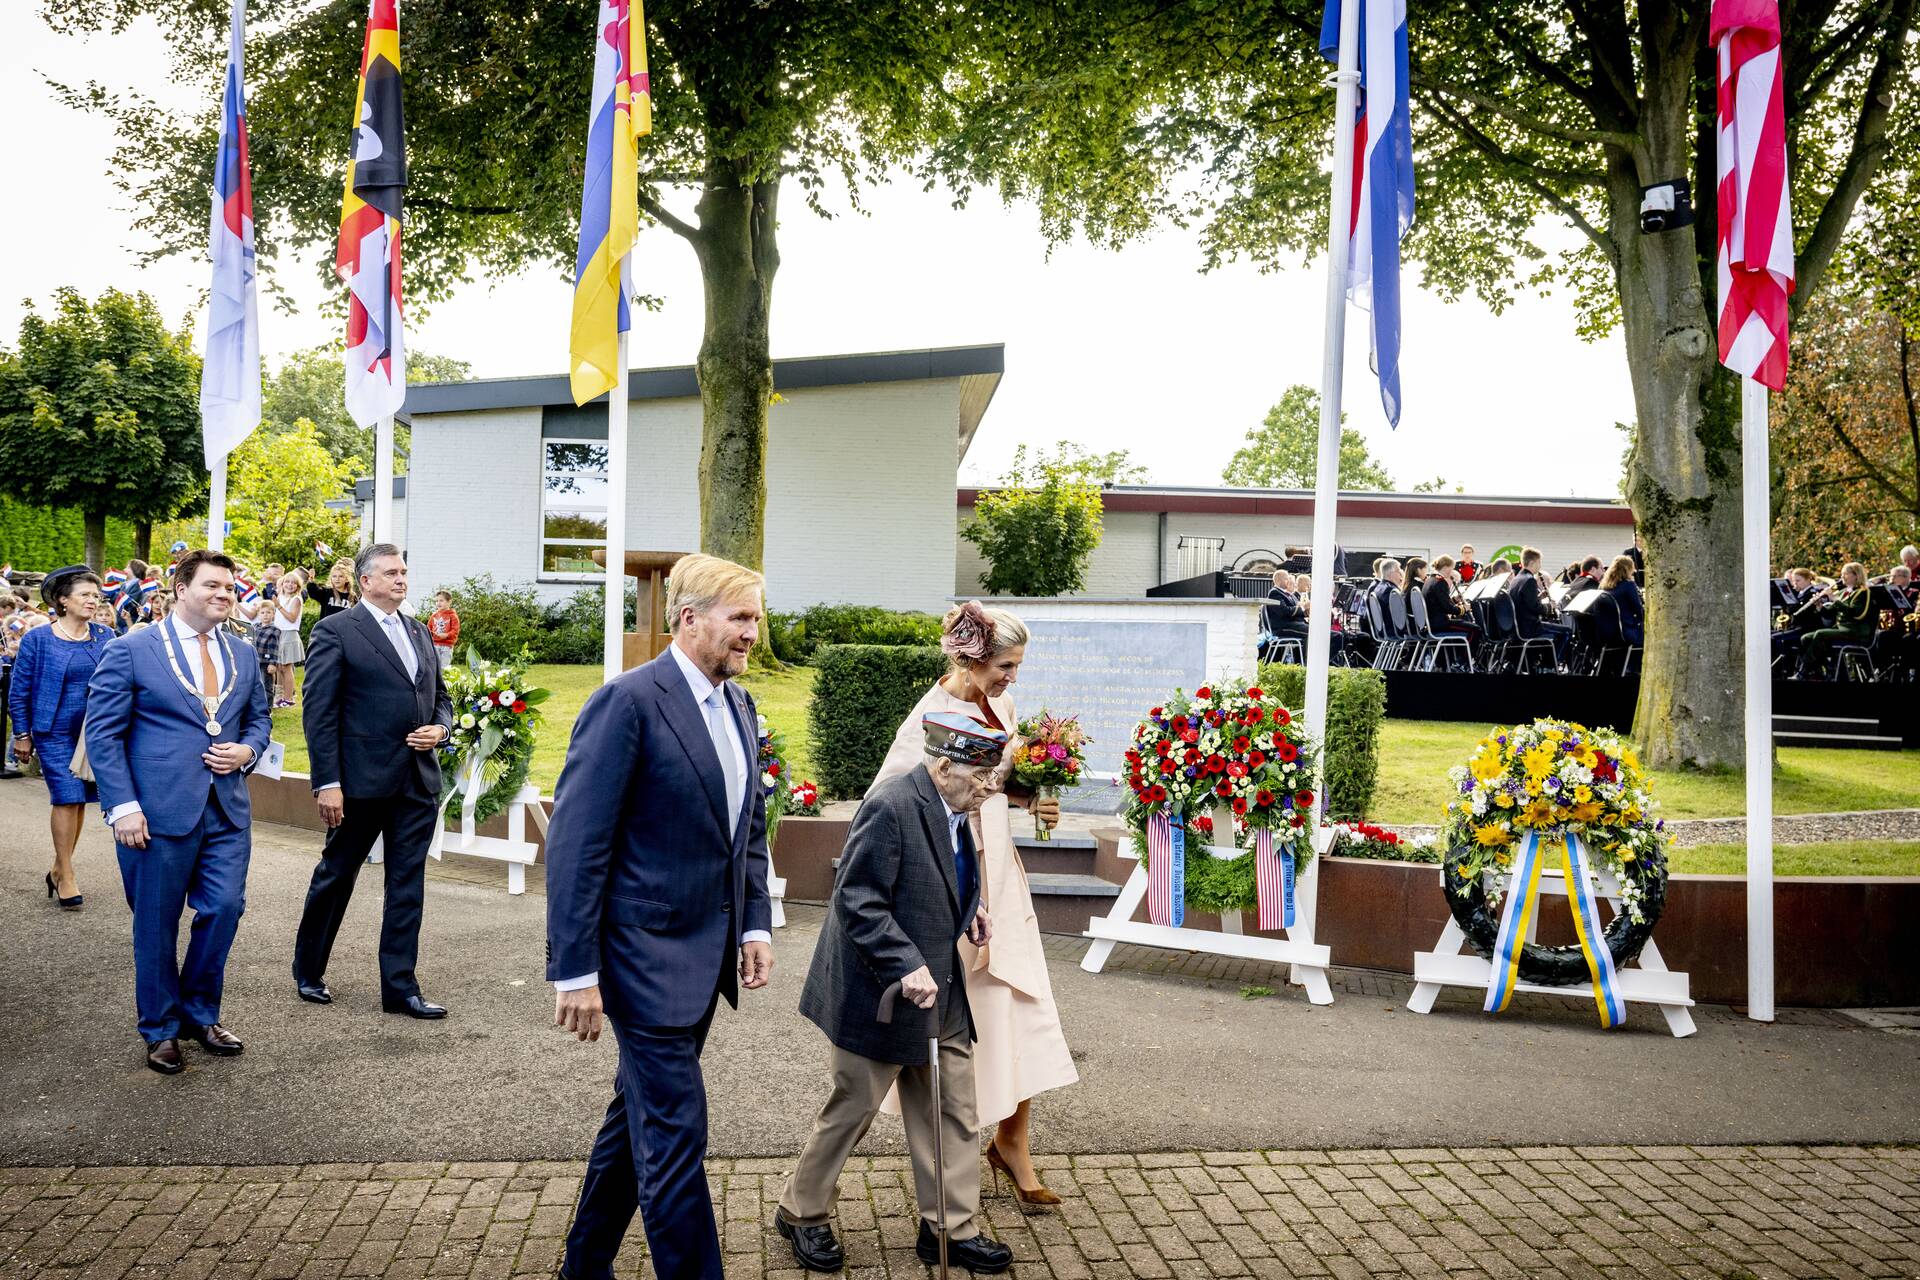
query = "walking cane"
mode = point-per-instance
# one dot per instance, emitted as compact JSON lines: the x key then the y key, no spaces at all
{"x":885,"y":1016}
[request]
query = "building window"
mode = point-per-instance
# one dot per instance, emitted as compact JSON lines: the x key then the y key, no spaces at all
{"x":573,"y":508}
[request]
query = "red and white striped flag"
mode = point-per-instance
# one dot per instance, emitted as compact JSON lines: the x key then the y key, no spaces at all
{"x":1272,"y":881}
{"x":1755,"y":216}
{"x":1166,"y":872}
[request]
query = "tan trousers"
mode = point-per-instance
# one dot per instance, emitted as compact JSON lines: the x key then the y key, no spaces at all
{"x":859,"y":1086}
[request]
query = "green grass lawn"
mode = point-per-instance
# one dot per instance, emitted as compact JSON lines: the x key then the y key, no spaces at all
{"x":1829,"y":858}
{"x":1416,"y":754}
{"x":1414,"y":758}
{"x":781,"y":696}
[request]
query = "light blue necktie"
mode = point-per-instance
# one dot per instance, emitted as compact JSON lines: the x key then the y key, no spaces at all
{"x":397,"y":637}
{"x":726,"y":745}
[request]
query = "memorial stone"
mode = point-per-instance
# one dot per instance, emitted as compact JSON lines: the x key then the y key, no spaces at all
{"x":1108,"y":673}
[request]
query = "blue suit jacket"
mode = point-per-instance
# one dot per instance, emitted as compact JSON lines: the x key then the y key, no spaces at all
{"x":39,"y":670}
{"x":643,"y":882}
{"x":146,"y":734}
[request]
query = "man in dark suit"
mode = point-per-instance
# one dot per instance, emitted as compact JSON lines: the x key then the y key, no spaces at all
{"x":376,"y":713}
{"x":656,"y":881}
{"x":907,"y":890}
{"x":177,"y":716}
{"x":1529,"y":613}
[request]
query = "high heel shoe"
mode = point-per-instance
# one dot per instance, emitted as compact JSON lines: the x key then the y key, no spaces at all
{"x":1038,"y":1196}
{"x":66,"y":904}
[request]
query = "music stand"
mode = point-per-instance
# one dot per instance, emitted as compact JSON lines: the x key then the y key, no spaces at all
{"x":1781,"y":595}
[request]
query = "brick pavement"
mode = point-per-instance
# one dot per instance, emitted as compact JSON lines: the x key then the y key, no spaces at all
{"x":1552,"y":1211}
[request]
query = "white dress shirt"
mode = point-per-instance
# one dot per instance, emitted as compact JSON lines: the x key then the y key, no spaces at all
{"x":702,"y":688}
{"x":394,"y":627}
{"x":176,"y":624}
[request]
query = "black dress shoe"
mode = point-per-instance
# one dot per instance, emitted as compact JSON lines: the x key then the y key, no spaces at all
{"x":415,"y":1007}
{"x":164,"y":1056}
{"x":214,"y":1038}
{"x":977,"y":1254}
{"x":312,"y":992}
{"x":813,"y":1247}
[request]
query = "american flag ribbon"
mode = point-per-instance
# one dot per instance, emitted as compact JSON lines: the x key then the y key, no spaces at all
{"x":1755,"y":259}
{"x":1166,"y":871}
{"x":1273,"y":881}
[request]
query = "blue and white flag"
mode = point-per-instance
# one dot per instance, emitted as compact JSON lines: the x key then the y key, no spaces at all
{"x":1382,"y":178}
{"x":230,"y":374}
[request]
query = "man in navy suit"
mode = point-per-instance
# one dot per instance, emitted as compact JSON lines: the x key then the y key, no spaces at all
{"x":656,"y":896}
{"x":176,"y":717}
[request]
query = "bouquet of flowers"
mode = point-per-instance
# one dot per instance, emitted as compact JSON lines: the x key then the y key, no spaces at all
{"x":804,"y":800}
{"x":775,"y":779}
{"x":1051,"y":754}
{"x":1553,"y":776}
{"x":491,"y":746}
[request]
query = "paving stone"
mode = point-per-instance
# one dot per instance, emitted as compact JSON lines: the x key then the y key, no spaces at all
{"x":1593,"y":1212}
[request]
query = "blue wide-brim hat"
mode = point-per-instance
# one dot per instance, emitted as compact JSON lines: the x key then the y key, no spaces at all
{"x":962,"y":739}
{"x":51,"y":584}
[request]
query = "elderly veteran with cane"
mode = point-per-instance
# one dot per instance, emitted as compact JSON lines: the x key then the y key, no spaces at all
{"x":907,"y":891}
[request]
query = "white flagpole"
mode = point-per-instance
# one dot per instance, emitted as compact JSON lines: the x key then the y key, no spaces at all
{"x":1326,"y":490}
{"x":1756,"y":512}
{"x":383,"y":530}
{"x":217,"y":507}
{"x":614,"y":628}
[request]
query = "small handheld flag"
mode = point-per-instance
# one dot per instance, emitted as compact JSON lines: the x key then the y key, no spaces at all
{"x":368,"y":255}
{"x":230,"y":374}
{"x":1755,"y":257}
{"x":620,"y":114}
{"x":1382,"y":178}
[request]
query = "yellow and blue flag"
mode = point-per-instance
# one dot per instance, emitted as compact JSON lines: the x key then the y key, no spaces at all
{"x":621,"y":114}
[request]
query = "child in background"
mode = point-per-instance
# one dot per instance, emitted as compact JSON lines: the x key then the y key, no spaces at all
{"x":444,"y":626}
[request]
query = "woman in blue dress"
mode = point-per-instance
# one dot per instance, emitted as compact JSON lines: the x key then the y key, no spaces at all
{"x":47,"y":702}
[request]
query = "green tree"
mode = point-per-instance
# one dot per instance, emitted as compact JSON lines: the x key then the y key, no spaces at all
{"x":1134,"y":113}
{"x":1114,"y":467}
{"x":311,"y":384}
{"x":745,"y":95}
{"x":1037,"y":530}
{"x":278,"y":485}
{"x":1283,"y":451}
{"x":99,"y":410}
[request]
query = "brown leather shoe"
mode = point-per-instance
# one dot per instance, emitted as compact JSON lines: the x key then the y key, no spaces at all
{"x":164,"y":1056}
{"x":215,"y":1039}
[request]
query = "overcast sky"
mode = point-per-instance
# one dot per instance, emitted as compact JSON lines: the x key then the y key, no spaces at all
{"x":1133,"y":349}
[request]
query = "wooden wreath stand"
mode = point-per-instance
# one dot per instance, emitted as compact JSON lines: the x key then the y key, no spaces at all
{"x":649,"y":638}
{"x":1309,"y":960}
{"x":514,"y":848}
{"x":1651,"y":983}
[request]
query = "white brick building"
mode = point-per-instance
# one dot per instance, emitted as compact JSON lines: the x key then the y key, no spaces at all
{"x":507,"y":477}
{"x":1145,"y":525}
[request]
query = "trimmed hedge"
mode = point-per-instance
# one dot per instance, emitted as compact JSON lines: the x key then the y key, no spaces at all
{"x":1356,"y":705}
{"x":862,"y":694}
{"x":796,"y":637}
{"x":36,"y":539}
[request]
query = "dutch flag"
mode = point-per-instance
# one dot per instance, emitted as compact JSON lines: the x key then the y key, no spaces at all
{"x":1383,"y":178}
{"x":230,"y":374}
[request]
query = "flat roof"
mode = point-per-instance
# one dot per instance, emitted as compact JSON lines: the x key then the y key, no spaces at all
{"x":1223,"y":500}
{"x":679,"y":381}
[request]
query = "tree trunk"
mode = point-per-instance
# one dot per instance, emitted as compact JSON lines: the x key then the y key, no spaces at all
{"x":95,"y":523}
{"x":1683,"y":476}
{"x":738,"y":259}
{"x":143,"y":540}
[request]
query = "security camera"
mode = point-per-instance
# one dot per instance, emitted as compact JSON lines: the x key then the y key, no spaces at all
{"x":1666,"y":206}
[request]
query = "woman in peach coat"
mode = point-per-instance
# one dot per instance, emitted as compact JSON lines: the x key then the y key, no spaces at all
{"x":1021,"y":1050}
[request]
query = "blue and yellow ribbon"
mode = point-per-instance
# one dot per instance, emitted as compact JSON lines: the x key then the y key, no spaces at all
{"x":1516,"y":921}
{"x":1587,"y":927}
